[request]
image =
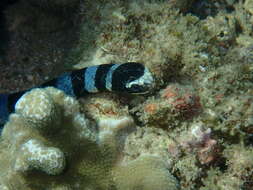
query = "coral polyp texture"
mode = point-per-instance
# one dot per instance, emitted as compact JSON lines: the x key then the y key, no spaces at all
{"x":49,"y":144}
{"x":33,"y":155}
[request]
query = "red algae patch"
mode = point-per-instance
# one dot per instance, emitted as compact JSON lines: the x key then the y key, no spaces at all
{"x":173,"y":104}
{"x":182,"y":99}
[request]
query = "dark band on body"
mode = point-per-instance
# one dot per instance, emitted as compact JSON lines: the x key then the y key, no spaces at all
{"x":121,"y":75}
{"x":12,"y":99}
{"x":111,"y":77}
{"x":77,"y":78}
{"x":100,"y":78}
{"x":49,"y":83}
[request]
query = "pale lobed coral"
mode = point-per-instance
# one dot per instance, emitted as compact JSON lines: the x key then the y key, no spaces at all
{"x":48,"y":140}
{"x":38,"y":108}
{"x":34,"y":155}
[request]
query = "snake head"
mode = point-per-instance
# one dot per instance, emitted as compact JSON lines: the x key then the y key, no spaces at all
{"x":133,"y":78}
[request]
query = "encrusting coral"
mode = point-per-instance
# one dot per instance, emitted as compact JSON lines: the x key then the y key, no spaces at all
{"x":156,"y":175}
{"x":48,"y":143}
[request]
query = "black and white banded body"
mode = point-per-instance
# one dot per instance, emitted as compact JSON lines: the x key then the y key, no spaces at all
{"x":127,"y":77}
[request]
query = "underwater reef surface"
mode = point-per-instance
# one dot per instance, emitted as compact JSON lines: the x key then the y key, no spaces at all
{"x":194,"y":131}
{"x":49,"y":144}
